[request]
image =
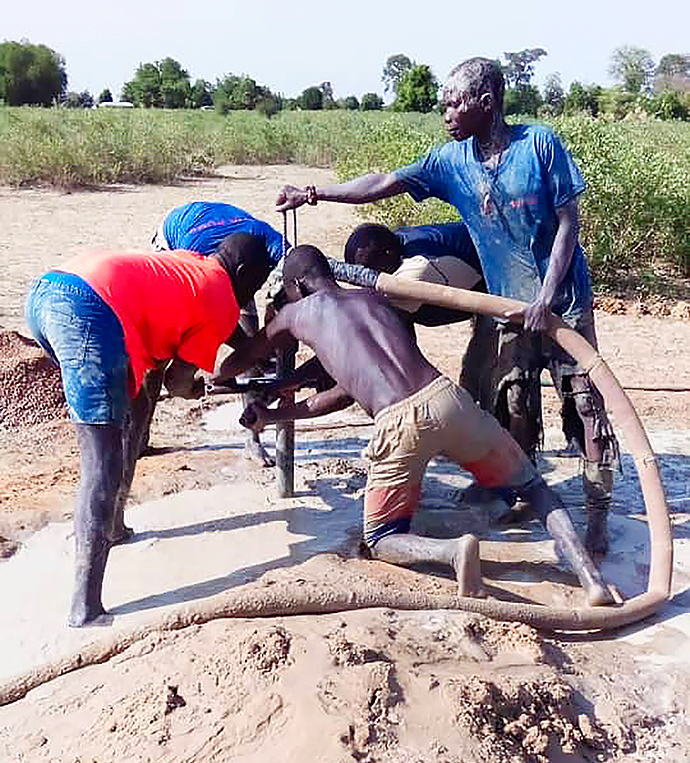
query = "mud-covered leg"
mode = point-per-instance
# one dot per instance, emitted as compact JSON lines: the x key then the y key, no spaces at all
{"x":137,"y":418}
{"x":548,"y":507}
{"x":101,"y":472}
{"x":597,"y":483}
{"x":479,"y":360}
{"x":518,"y":410}
{"x":522,"y":401}
{"x":597,"y":473}
{"x":584,"y":419}
{"x":253,"y":447}
{"x":153,"y":383}
{"x":461,"y":554}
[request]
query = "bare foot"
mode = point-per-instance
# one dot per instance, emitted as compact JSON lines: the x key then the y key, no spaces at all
{"x":83,"y":614}
{"x":467,"y":566}
{"x":255,"y":451}
{"x":120,"y":534}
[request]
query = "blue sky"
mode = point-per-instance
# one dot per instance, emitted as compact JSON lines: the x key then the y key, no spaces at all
{"x":290,"y":46}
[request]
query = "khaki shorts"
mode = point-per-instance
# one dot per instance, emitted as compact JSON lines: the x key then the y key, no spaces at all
{"x":439,"y":419}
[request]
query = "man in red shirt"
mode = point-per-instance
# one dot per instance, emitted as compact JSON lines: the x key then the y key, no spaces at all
{"x":107,"y":318}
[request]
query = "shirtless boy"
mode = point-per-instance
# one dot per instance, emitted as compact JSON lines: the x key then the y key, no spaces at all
{"x":108,"y":318}
{"x":418,"y":414}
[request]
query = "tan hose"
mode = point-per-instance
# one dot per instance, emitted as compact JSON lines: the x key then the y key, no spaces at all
{"x":359,"y":587}
{"x":627,"y":423}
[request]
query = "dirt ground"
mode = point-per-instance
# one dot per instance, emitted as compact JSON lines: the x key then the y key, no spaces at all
{"x":370,"y":685}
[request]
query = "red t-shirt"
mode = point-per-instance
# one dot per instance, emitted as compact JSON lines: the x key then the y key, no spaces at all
{"x":170,"y":304}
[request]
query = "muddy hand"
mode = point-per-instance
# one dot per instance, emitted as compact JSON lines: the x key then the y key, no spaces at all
{"x":290,"y":197}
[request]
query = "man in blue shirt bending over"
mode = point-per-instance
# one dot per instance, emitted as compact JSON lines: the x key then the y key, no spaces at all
{"x":201,"y":226}
{"x":516,"y":189}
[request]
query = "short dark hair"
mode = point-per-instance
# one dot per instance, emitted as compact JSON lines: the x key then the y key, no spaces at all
{"x":243,"y":249}
{"x":478,"y":76}
{"x":370,"y":236}
{"x":305,"y":262}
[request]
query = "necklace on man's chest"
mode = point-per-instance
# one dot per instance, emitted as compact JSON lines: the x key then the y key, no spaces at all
{"x":488,"y":182}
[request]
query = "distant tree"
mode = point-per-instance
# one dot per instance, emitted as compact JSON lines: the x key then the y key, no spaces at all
{"x":582,"y":98}
{"x":554,"y":97}
{"x":175,"y":88}
{"x":671,"y":104}
{"x":268,"y":103}
{"x":226,"y":94}
{"x":311,"y":99}
{"x":163,"y":83}
{"x":371,"y":102}
{"x":394,"y":69}
{"x":519,"y":70}
{"x":72,"y":100}
{"x":201,"y":94}
{"x":351,"y":103}
{"x":128,"y":92}
{"x":328,"y":102}
{"x":145,"y":88}
{"x":522,"y":100}
{"x":632,"y":68}
{"x":86,"y":99}
{"x":106,"y":96}
{"x":617,"y":102}
{"x":236,"y":93}
{"x":31,"y":74}
{"x":417,"y":90}
{"x":673,"y":73}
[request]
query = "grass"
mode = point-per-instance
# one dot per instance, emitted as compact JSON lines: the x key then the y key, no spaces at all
{"x":635,"y":215}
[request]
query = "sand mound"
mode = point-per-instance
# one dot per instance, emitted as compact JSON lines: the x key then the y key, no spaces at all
{"x":377,"y":686}
{"x":30,"y":384}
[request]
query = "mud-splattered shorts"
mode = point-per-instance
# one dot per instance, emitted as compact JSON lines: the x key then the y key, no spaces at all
{"x":441,"y":418}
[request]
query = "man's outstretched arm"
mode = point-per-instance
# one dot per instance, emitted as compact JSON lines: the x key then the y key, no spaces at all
{"x":310,"y":374}
{"x":257,"y":416}
{"x":361,"y":190}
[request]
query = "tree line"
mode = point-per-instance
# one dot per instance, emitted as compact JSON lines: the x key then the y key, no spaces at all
{"x":36,"y":74}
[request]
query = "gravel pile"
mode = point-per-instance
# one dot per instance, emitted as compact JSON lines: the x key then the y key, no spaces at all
{"x":30,"y":384}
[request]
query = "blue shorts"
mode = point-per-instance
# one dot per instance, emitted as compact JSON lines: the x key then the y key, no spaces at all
{"x":84,"y":337}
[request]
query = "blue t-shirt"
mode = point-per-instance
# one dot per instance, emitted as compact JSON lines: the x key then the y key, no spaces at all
{"x":201,"y":226}
{"x":441,"y":240}
{"x":514,"y":232}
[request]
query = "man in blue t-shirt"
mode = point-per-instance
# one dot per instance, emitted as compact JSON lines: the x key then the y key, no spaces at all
{"x":516,"y":188}
{"x":201,"y":226}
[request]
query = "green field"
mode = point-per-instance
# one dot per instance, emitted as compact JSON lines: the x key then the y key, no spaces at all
{"x":635,"y":214}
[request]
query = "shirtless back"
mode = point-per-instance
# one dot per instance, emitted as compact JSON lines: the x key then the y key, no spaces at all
{"x":360,"y":341}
